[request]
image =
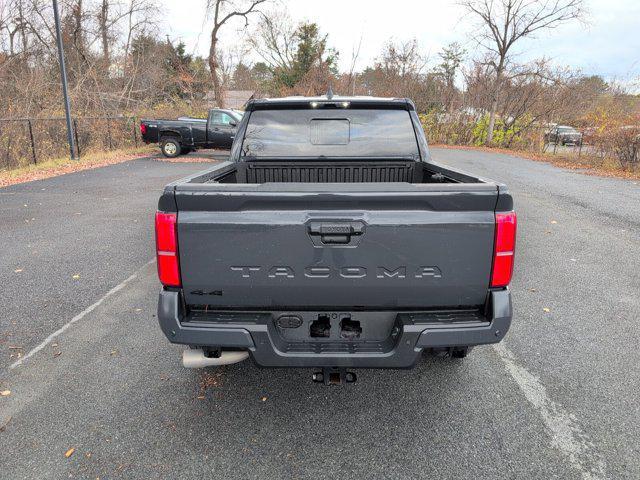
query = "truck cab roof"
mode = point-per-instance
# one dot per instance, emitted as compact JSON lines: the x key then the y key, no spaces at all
{"x":334,"y":101}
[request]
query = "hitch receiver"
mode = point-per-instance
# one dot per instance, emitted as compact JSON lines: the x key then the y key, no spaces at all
{"x":334,"y":376}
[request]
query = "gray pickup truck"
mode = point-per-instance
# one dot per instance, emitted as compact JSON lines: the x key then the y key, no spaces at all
{"x":330,"y":240}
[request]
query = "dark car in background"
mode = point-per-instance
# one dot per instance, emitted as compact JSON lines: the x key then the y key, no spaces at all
{"x":563,"y":135}
{"x":184,"y":135}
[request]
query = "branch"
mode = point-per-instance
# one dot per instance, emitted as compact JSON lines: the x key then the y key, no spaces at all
{"x":235,"y":13}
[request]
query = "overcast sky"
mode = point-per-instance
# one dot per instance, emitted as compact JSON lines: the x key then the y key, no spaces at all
{"x":607,"y":44}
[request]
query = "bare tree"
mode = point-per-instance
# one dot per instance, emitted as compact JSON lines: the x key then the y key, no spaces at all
{"x":504,"y":22}
{"x":355,"y":53}
{"x":403,"y":59}
{"x":223,"y":11}
{"x":400,"y":70}
{"x":275,"y":40}
{"x":103,"y":20}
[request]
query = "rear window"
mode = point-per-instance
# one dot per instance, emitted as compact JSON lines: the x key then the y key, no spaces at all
{"x":330,"y":133}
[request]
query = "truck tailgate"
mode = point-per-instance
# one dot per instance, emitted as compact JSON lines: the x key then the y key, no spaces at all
{"x":359,"y":246}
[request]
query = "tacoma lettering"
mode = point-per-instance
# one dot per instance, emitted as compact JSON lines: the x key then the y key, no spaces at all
{"x":317,"y":271}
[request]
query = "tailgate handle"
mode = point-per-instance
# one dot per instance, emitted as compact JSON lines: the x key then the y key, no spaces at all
{"x":336,"y":233}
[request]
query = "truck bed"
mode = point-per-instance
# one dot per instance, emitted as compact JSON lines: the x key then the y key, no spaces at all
{"x":353,"y":171}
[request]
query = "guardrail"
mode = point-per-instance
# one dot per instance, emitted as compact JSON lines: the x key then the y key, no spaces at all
{"x":31,"y":140}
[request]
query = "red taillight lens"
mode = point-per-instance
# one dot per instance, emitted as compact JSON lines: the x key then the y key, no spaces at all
{"x":167,"y":249}
{"x":143,"y":129}
{"x":504,"y":249}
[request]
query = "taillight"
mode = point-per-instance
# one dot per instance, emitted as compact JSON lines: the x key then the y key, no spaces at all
{"x":504,"y":249}
{"x":167,"y":249}
{"x":143,"y":129}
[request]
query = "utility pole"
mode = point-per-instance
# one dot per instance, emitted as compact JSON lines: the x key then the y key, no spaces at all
{"x":63,"y":77}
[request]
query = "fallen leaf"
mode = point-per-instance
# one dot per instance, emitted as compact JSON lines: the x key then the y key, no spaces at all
{"x":264,"y":399}
{"x":69,"y":452}
{"x":88,"y":454}
{"x":547,"y":310}
{"x":554,"y":222}
{"x":532,"y":290}
{"x":54,"y":345}
{"x":138,"y":309}
{"x":114,"y":352}
{"x":76,"y":276}
{"x":17,"y":270}
{"x":548,"y":231}
{"x":5,"y":393}
{"x":200,"y":397}
{"x":4,"y":427}
{"x":57,"y":353}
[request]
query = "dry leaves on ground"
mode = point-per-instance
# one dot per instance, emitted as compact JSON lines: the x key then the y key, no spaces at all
{"x":8,"y":178}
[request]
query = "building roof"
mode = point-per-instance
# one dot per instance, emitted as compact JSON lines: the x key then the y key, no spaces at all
{"x":234,"y":99}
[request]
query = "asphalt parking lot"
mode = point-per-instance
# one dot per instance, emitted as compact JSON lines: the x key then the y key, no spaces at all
{"x":88,"y":368}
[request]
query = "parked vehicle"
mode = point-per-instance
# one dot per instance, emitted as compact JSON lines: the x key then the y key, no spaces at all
{"x":331,"y":240}
{"x":563,"y":135}
{"x":181,"y":136}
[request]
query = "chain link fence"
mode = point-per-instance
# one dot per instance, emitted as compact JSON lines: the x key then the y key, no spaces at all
{"x":26,"y":141}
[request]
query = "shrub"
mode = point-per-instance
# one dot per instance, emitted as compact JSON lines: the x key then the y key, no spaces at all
{"x":448,"y":129}
{"x":625,"y":145}
{"x":505,"y":135}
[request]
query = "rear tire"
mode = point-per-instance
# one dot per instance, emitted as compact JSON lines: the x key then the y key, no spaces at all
{"x":170,"y":147}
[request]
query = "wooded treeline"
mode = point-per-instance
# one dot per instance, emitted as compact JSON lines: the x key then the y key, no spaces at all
{"x":120,"y":61}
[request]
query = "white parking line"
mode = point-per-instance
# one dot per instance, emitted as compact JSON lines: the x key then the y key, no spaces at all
{"x":79,"y":317}
{"x":565,"y":432}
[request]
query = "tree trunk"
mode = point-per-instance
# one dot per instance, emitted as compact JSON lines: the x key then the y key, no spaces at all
{"x":103,"y":18}
{"x":213,"y":67}
{"x":492,"y":118}
{"x":494,"y":102}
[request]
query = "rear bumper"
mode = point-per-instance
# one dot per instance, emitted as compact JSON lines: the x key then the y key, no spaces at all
{"x":412,"y":332}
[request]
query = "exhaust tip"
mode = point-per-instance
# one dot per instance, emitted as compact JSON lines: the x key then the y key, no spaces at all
{"x":195,"y":358}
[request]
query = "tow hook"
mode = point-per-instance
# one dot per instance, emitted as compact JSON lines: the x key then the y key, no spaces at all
{"x":334,"y":376}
